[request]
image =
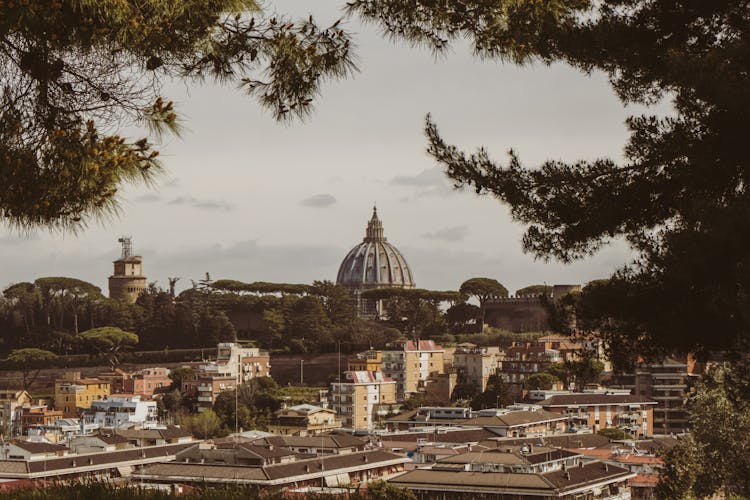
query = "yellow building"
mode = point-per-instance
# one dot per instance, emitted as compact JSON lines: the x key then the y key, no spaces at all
{"x":304,"y":420}
{"x":475,"y":365}
{"x":363,"y":398}
{"x":412,"y":363}
{"x":74,"y":393}
{"x":368,"y":361}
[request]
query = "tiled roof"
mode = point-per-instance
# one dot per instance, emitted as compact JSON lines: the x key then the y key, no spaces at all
{"x":277,"y":472}
{"x":423,"y":345}
{"x":18,"y":468}
{"x":39,"y":447}
{"x":495,"y":482}
{"x":322,"y":441}
{"x":457,"y":436}
{"x":591,"y":472}
{"x":171,"y":432}
{"x":594,"y":399}
{"x":498,"y":482}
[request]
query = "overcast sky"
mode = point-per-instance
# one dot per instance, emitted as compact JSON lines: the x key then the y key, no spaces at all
{"x":249,"y":199}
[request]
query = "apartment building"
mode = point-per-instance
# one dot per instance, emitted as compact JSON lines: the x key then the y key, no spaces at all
{"x":475,"y":365}
{"x":362,"y":398}
{"x":10,"y":400}
{"x":146,"y":381}
{"x":669,"y":383}
{"x":74,"y":393}
{"x":236,"y":363}
{"x":634,"y":414}
{"x":368,"y":361}
{"x":411,"y":364}
{"x":304,"y":420}
{"x":116,"y":411}
{"x":33,"y":416}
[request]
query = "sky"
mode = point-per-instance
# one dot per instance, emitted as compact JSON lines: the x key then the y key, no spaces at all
{"x":249,"y":199}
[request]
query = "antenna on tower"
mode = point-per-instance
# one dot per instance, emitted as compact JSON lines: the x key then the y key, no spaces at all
{"x":127,"y":246}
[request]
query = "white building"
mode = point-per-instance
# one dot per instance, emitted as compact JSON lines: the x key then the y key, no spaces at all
{"x":116,"y":411}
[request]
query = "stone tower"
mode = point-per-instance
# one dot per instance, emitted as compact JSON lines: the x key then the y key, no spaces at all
{"x":128,"y":280}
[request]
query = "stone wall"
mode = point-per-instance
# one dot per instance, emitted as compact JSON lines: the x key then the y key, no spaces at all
{"x":517,"y":315}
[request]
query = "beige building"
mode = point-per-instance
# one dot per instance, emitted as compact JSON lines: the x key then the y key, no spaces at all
{"x":475,"y":365}
{"x":304,"y":420}
{"x":633,"y":414}
{"x":363,"y":398}
{"x":73,"y":393}
{"x":127,"y":281}
{"x":411,"y":364}
{"x":9,"y":401}
{"x":236,"y":363}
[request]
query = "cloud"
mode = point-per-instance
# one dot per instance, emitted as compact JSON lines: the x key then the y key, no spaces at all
{"x":429,"y":182}
{"x":203,"y":204}
{"x":171,"y":183}
{"x":319,"y":201}
{"x":148,"y":198}
{"x":18,"y":239}
{"x":453,"y":233}
{"x":429,"y":177}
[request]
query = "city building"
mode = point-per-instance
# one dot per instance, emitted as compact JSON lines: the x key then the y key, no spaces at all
{"x":525,"y":313}
{"x":411,"y":363}
{"x":374,"y":263}
{"x":118,"y":411}
{"x":42,"y":461}
{"x":634,"y":414}
{"x":474,"y":365}
{"x":34,"y":416}
{"x":524,"y":421}
{"x":146,"y":381}
{"x":363,"y":398}
{"x":324,"y":444}
{"x":74,"y":393}
{"x":127,"y":281}
{"x":668,"y":382}
{"x":304,"y":420}
{"x":368,"y":361}
{"x":10,"y":399}
{"x":525,"y":473}
{"x":235,"y":363}
{"x":347,"y":470}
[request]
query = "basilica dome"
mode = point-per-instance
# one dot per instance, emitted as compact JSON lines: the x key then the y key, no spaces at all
{"x":374,"y":263}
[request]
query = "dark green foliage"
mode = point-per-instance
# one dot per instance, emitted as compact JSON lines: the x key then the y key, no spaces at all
{"x":109,"y":341}
{"x":69,"y":68}
{"x":614,"y":434}
{"x":414,"y":311}
{"x":679,"y":197}
{"x":463,"y":317}
{"x":261,"y":287}
{"x":715,"y":457}
{"x":257,"y":401}
{"x":534,"y":291}
{"x":483,"y":289}
{"x":495,"y":395}
{"x":29,"y":361}
{"x":543,"y":381}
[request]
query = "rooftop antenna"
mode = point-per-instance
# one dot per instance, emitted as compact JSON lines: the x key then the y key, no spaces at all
{"x":127,"y":246}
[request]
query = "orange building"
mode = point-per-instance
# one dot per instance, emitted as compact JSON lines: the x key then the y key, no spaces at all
{"x":145,"y":382}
